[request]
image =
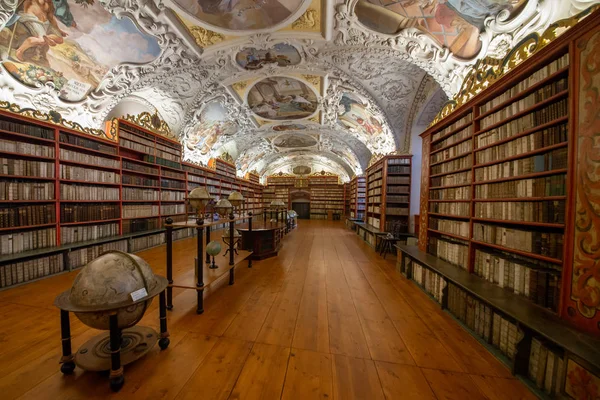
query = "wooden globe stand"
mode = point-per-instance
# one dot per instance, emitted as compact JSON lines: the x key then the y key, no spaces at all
{"x":111,"y":351}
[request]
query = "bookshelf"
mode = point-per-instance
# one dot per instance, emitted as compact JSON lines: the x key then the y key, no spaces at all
{"x":347,"y":198}
{"x":506,"y":216}
{"x":388,"y":194}
{"x":358,"y":191}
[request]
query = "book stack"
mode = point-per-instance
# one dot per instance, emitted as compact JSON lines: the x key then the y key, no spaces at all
{"x":80,"y":257}
{"x":84,"y":233}
{"x":140,"y":210}
{"x":433,"y":283}
{"x":70,"y":213}
{"x":70,"y":172}
{"x":454,"y":251}
{"x":552,"y":212}
{"x":453,"y":165}
{"x":546,"y":366}
{"x":458,"y":193}
{"x":452,"y":127}
{"x":18,"y":167}
{"x":460,"y":228}
{"x":38,"y":150}
{"x":12,"y":216}
{"x":84,"y":158}
{"x":145,"y":242}
{"x":18,"y":242}
{"x":172,"y":209}
{"x":79,"y":141}
{"x":130,"y":165}
{"x":461,"y":178}
{"x":456,"y":209}
{"x":17,"y":190}
{"x":25,"y":271}
{"x":24,"y":128}
{"x":553,"y":185}
{"x":130,"y":193}
{"x":85,"y":192}
{"x":552,"y":160}
{"x":452,"y":152}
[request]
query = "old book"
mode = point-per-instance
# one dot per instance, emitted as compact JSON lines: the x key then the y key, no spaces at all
{"x":496,"y":322}
{"x":534,"y":356}
{"x":543,"y":357}
{"x":549,"y":378}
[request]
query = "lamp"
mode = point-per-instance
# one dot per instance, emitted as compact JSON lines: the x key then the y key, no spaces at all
{"x":213,"y":249}
{"x":198,"y":199}
{"x":223,"y":207}
{"x":277,"y":205}
{"x":236,"y":199}
{"x":227,"y":240}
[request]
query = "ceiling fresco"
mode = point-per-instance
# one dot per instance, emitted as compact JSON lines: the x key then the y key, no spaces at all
{"x":276,"y":84}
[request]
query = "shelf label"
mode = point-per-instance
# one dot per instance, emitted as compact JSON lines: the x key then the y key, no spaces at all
{"x":138,"y":294}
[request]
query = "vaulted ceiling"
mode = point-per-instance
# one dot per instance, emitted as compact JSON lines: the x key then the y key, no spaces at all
{"x":276,"y":84}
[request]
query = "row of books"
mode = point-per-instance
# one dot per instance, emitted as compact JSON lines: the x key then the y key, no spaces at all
{"x":140,"y":210}
{"x":461,"y":178}
{"x":79,"y":141}
{"x":524,"y":144}
{"x":32,"y":149}
{"x":168,"y":157}
{"x":460,"y":228}
{"x":145,"y":140}
{"x":169,"y":184}
{"x":392,"y":198}
{"x":171,"y":209}
{"x":69,"y":155}
{"x":374,"y":199}
{"x":135,"y":146}
{"x":133,"y":166}
{"x":451,"y":166}
{"x":88,"y":212}
{"x":397,"y":169}
{"x":549,"y":244}
{"x":374,"y":221}
{"x":454,"y":151}
{"x":396,"y":210}
{"x":552,"y":212}
{"x":458,"y":209}
{"x":398,"y":161}
{"x":459,"y":193}
{"x":85,"y":233}
{"x":398,"y":180}
{"x":139,"y":180}
{"x":430,"y":281}
{"x":452,"y":251}
{"x":457,"y":137}
{"x":167,"y":195}
{"x":20,"y":167}
{"x":552,"y":160}
{"x":25,"y":128}
{"x":397,"y":189}
{"x":464,"y":120}
{"x":84,"y":192}
{"x":529,"y":121}
{"x":170,"y":148}
{"x":538,"y":282}
{"x":140,"y":225}
{"x":374,"y":192}
{"x":374,"y":176}
{"x":18,"y":242}
{"x":553,"y":185}
{"x":80,"y":257}
{"x":12,"y":216}
{"x":162,"y":161}
{"x":25,"y":271}
{"x":531,"y":80}
{"x":527,"y":102}
{"x":145,"y":242}
{"x":196,"y":178}
{"x":130,"y":193}
{"x":546,"y":367}
{"x":374,"y":209}
{"x":74,"y":173}
{"x":172,"y":174}
{"x":17,"y":190}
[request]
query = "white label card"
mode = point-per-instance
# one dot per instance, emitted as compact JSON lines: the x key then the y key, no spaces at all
{"x":138,"y":294}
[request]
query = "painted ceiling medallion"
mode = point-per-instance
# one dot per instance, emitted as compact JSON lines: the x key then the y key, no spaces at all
{"x":242,"y":15}
{"x":74,"y":49}
{"x":454,"y":24}
{"x":282,"y":98}
{"x":301,"y":170}
{"x":290,"y":141}
{"x":282,"y":54}
{"x":289,"y":127}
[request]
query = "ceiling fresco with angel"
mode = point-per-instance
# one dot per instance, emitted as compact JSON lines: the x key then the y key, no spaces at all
{"x":276,"y":84}
{"x":71,"y":43}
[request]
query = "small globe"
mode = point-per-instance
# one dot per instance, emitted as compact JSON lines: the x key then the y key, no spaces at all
{"x":213,"y":248}
{"x":105,"y":285}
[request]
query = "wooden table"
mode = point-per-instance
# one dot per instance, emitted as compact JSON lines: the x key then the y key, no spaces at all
{"x":264,"y":240}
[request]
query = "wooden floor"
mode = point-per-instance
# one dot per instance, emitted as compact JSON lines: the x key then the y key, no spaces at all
{"x":327,"y":318}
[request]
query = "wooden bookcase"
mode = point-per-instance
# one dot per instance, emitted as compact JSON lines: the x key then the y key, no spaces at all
{"x":388,"y":194}
{"x":347,"y":198}
{"x":358,"y":193}
{"x":66,"y":196}
{"x":507,"y":221}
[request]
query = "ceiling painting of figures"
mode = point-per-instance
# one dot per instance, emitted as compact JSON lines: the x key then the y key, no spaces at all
{"x":71,"y":44}
{"x":291,"y":141}
{"x":241,"y":15}
{"x":280,"y":54}
{"x":355,"y":115}
{"x":282,"y":98}
{"x":454,"y":24}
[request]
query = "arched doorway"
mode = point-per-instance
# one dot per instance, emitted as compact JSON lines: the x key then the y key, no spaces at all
{"x":301,"y":203}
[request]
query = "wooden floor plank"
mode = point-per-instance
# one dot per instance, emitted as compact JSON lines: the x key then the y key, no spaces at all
{"x":355,"y":378}
{"x":263,"y":374}
{"x":449,"y":385}
{"x":405,"y":382}
{"x":309,"y":376}
{"x":502,"y":388}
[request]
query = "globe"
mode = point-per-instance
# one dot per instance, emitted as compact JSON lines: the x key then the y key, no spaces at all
{"x":106,"y":284}
{"x":213,"y":248}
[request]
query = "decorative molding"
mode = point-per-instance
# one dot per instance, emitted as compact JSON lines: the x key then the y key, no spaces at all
{"x":152,"y":122}
{"x":310,"y":20}
{"x":205,"y":37}
{"x":7,"y":9}
{"x":226,"y":157}
{"x":488,"y":70}
{"x":55,"y":118}
{"x":315,"y":80}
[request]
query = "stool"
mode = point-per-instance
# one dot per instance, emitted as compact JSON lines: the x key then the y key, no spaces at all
{"x":386,"y":246}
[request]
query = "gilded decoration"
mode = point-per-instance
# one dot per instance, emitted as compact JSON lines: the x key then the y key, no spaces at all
{"x":585,"y":277}
{"x":580,"y":383}
{"x":488,"y":70}
{"x":424,"y":194}
{"x":204,"y":37}
{"x":315,"y":80}
{"x":226,"y":157}
{"x":55,"y":118}
{"x":239,"y":87}
{"x":374,"y":158}
{"x":310,"y":20}
{"x":152,"y":122}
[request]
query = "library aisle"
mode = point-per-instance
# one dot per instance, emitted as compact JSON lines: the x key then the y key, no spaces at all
{"x":326,"y":318}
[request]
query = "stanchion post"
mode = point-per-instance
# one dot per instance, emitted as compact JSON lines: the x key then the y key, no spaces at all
{"x":200,"y":266}
{"x":169,"y":234}
{"x":250,"y":239}
{"x":207,"y":242}
{"x":231,"y":249}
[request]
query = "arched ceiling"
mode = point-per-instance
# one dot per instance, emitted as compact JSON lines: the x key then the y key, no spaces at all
{"x":279,"y":85}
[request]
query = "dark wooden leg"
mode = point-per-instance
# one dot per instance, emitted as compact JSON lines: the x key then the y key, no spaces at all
{"x":200,"y":268}
{"x":207,"y":242}
{"x":169,"y":233}
{"x":250,"y":238}
{"x":117,"y":379}
{"x":67,"y":364}
{"x":232,"y":276}
{"x":231,"y":241}
{"x":164,"y":340}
